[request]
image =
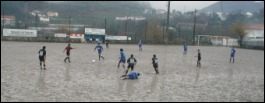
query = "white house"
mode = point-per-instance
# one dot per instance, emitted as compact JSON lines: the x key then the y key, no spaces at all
{"x":249,"y":14}
{"x":52,"y":14}
{"x":147,"y":11}
{"x":44,"y":20}
{"x":255,"y":32}
{"x":121,"y":17}
{"x":160,"y":11}
{"x":222,"y":15}
{"x":8,"y":20}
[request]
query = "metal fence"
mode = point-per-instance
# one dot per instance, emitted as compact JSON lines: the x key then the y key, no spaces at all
{"x":258,"y":44}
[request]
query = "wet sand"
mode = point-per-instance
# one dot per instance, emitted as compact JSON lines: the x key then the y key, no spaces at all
{"x":84,"y":81}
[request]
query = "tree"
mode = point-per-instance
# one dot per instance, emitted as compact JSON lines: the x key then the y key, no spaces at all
{"x":238,"y":28}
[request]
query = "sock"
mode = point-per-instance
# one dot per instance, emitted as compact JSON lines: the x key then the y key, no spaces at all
{"x":118,"y":65}
{"x":230,"y":60}
{"x":123,"y":66}
{"x":69,"y":59}
{"x":44,"y":65}
{"x":131,"y":69}
{"x":65,"y":58}
{"x":126,"y":72}
{"x":197,"y":63}
{"x":233,"y":60}
{"x":40,"y":64}
{"x":99,"y":57}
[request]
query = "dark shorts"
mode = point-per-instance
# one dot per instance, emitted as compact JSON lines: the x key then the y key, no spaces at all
{"x":232,"y":55}
{"x":131,"y":66}
{"x":155,"y":65}
{"x":185,"y":49}
{"x":140,"y":45}
{"x":107,"y":43}
{"x":122,"y":60}
{"x":41,"y":58}
{"x":199,"y":59}
{"x":67,"y":53}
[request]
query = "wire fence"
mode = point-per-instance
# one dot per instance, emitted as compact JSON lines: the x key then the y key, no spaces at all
{"x":257,"y":44}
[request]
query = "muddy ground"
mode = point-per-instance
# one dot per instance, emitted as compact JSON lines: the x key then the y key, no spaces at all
{"x":84,"y":81}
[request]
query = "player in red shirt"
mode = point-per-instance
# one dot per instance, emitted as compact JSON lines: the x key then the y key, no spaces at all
{"x":68,"y":48}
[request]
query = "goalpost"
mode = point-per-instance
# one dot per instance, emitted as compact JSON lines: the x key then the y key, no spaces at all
{"x":202,"y":39}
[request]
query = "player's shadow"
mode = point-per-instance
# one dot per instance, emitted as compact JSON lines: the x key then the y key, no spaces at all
{"x":41,"y":82}
{"x":153,"y":83}
{"x":230,"y":72}
{"x":197,"y":75}
{"x":67,"y":73}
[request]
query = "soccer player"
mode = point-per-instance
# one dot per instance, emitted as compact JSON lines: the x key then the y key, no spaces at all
{"x":131,"y":63}
{"x":185,"y":48}
{"x":199,"y":59}
{"x":140,"y":45}
{"x":107,"y":43}
{"x":122,"y":59}
{"x":155,"y":63}
{"x":100,"y":49}
{"x":233,"y":51}
{"x":68,"y":48}
{"x":42,"y":57}
{"x":133,"y":75}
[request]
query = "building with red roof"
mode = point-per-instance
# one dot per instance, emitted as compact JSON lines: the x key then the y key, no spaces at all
{"x":255,"y":32}
{"x":8,"y":20}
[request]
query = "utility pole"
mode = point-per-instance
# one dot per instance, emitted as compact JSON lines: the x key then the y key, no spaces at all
{"x":26,"y":23}
{"x":194,"y":28}
{"x":125,"y":28}
{"x":36,"y":22}
{"x":146,"y":28}
{"x":105,"y":25}
{"x":69,"y":25}
{"x":167,"y":21}
{"x":2,"y":30}
{"x":179,"y":32}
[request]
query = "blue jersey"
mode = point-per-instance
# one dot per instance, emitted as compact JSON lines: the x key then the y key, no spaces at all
{"x":185,"y":47}
{"x":133,"y":75}
{"x":140,"y":43}
{"x":233,"y":51}
{"x":99,"y":48}
{"x":123,"y":55}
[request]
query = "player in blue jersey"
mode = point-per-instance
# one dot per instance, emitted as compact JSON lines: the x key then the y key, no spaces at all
{"x":140,"y":45}
{"x":133,"y":75}
{"x":185,"y":48}
{"x":122,"y":59}
{"x":100,"y":49}
{"x":233,"y":51}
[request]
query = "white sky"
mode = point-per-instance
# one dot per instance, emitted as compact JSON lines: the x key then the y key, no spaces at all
{"x":179,"y":5}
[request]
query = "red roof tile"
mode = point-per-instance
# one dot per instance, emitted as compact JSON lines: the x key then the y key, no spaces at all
{"x":258,"y":26}
{"x":7,"y":16}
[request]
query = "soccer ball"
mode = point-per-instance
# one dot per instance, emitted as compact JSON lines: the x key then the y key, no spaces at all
{"x":93,"y":61}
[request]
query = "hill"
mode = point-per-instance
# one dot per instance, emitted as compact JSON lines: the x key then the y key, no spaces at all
{"x":229,"y":6}
{"x":80,"y":11}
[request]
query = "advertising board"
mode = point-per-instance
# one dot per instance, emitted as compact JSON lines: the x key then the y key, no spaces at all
{"x":76,"y":35}
{"x":94,"y":31}
{"x":59,"y":35}
{"x":115,"y":37}
{"x":20,"y":32}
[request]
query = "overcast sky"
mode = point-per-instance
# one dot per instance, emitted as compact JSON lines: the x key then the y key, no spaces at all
{"x":179,"y":5}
